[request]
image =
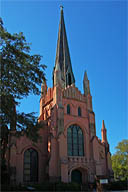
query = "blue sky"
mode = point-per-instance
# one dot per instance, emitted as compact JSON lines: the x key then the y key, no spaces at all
{"x":96,"y":32}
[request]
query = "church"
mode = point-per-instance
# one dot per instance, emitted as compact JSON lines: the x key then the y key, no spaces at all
{"x":69,"y":150}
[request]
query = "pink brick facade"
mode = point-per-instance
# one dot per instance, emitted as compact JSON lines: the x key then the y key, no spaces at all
{"x":53,"y":160}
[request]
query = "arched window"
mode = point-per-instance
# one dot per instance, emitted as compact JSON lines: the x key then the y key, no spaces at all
{"x":30,"y":165}
{"x":79,"y":111}
{"x":68,"y":109}
{"x":75,"y":141}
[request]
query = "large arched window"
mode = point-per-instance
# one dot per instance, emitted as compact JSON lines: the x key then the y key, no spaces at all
{"x":79,"y":111}
{"x":75,"y":141}
{"x":68,"y":109}
{"x":30,"y":165}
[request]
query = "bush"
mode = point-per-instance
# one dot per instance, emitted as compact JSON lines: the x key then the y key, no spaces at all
{"x":5,"y":178}
{"x":43,"y":186}
{"x":6,"y":188}
{"x":117,"y":185}
{"x":57,"y":186}
{"x":68,"y":187}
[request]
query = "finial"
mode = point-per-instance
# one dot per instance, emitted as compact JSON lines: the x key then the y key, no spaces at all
{"x":85,"y":75}
{"x":61,"y":7}
{"x":103,"y":124}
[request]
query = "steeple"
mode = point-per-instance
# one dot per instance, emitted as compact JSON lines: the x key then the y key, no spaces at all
{"x":63,"y":56}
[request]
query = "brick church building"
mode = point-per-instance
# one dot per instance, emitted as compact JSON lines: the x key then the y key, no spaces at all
{"x":69,"y":150}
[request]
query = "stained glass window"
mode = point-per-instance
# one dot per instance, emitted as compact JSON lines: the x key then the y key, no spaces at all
{"x":30,"y":165}
{"x":75,"y":141}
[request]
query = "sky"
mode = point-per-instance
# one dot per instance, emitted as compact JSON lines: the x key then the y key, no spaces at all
{"x":97,"y":38}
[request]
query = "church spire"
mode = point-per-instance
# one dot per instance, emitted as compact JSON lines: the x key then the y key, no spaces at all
{"x":62,"y":54}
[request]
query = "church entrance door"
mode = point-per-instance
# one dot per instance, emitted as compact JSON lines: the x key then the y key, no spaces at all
{"x":76,"y":176}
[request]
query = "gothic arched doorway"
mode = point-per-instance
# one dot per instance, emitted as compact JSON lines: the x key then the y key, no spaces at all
{"x":76,"y":176}
{"x":30,"y":165}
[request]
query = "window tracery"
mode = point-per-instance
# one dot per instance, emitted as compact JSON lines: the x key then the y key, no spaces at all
{"x":30,"y":165}
{"x":75,"y":141}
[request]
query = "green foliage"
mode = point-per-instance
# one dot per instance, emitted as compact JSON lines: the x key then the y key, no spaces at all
{"x":116,"y":186}
{"x":120,"y":161}
{"x":15,"y":188}
{"x":68,"y":187}
{"x":4,"y":172}
{"x":57,"y":186}
{"x":46,"y":186}
{"x":21,"y":74}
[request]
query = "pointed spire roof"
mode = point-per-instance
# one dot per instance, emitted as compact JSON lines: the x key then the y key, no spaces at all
{"x":103,"y":125}
{"x":104,"y":133}
{"x":86,"y":85}
{"x":85,"y":76}
{"x":62,"y":53}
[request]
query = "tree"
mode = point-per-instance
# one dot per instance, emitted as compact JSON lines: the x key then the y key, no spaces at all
{"x":120,"y":161}
{"x":21,"y":74}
